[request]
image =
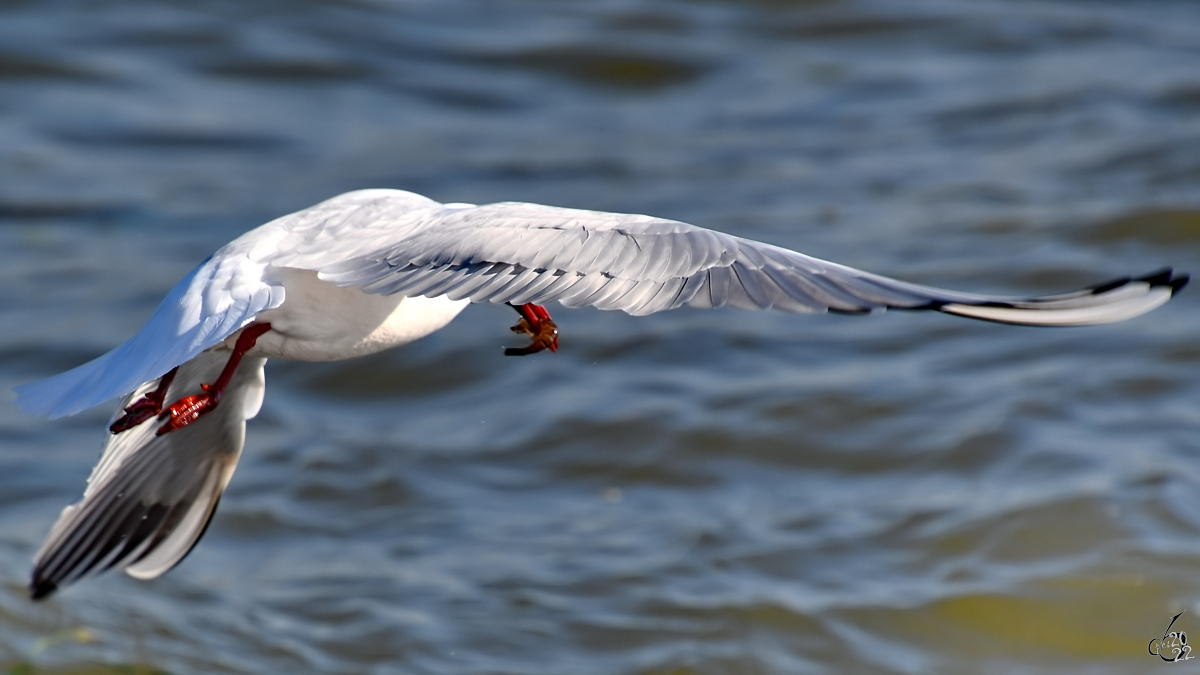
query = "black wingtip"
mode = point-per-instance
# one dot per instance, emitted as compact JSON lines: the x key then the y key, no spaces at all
{"x":1179,"y":282}
{"x":1167,"y":277}
{"x":1158,"y":277}
{"x":1163,"y":277}
{"x":40,"y":589}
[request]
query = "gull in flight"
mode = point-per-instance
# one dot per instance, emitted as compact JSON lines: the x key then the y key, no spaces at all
{"x":373,"y":269}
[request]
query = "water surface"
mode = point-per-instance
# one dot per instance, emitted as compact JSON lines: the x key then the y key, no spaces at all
{"x":696,"y":492}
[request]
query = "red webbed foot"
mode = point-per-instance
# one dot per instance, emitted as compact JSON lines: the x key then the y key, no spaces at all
{"x":145,"y":407}
{"x":190,"y":408}
{"x":536,"y":322}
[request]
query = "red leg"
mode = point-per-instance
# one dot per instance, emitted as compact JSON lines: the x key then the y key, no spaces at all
{"x":189,"y":408}
{"x":535,"y":321}
{"x":145,"y":407}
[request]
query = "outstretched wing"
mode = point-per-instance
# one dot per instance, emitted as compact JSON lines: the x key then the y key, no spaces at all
{"x":217,"y":298}
{"x":528,"y":253}
{"x":150,"y":498}
{"x":390,"y":241}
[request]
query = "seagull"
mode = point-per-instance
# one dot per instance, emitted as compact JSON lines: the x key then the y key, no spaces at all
{"x":372,"y":269}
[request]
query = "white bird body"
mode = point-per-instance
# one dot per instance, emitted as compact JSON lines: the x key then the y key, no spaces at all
{"x":373,"y":269}
{"x":321,"y":321}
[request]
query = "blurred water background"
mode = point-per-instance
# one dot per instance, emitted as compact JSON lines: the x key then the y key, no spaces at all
{"x":696,"y":492}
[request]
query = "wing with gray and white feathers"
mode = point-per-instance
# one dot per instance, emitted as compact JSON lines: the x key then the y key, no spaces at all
{"x":528,"y":253}
{"x":150,"y":498}
{"x":391,"y":241}
{"x":213,"y":301}
{"x":221,"y":296}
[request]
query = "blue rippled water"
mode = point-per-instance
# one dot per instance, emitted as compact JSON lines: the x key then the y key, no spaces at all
{"x":695,"y":492}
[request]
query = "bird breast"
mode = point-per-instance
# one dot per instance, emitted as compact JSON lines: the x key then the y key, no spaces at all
{"x":320,"y":321}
